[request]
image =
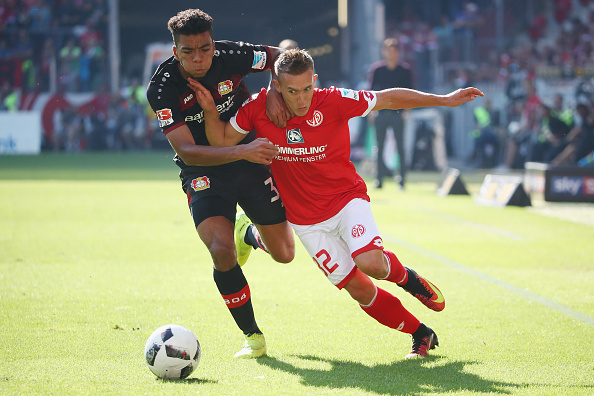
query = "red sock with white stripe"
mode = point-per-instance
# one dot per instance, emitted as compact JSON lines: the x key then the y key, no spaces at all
{"x":389,"y":311}
{"x":397,"y":273}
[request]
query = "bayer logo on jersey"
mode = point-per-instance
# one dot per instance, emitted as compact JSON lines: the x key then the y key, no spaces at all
{"x":294,"y":136}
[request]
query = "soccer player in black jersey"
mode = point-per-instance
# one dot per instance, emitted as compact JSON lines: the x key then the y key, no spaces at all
{"x":216,"y":179}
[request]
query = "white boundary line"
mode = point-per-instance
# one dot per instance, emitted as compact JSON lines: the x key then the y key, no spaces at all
{"x":470,"y":223}
{"x":477,"y":274}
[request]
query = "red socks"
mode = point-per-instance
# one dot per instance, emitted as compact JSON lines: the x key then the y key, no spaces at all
{"x":397,"y":272}
{"x":389,"y":311}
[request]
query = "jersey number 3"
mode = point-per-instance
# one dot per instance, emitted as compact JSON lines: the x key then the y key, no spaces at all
{"x":273,"y":189}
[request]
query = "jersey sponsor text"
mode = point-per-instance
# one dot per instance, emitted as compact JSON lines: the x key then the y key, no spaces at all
{"x":301,"y":150}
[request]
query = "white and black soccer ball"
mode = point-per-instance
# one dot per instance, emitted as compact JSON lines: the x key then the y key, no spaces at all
{"x":172,"y":351}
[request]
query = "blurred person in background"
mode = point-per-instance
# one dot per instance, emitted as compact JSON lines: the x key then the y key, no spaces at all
{"x":554,"y":133}
{"x":485,"y":152}
{"x":389,"y":73}
{"x":288,"y":44}
{"x":523,"y":145}
{"x":580,"y":140}
{"x":69,"y":65}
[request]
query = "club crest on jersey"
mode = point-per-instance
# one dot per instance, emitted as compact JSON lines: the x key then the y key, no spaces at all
{"x":200,"y":183}
{"x":316,"y":120}
{"x":259,"y":60}
{"x":165,"y":117}
{"x":357,"y":230}
{"x":294,"y":136}
{"x":225,"y":87}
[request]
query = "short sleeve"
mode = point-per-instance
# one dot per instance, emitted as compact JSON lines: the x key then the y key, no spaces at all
{"x":164,"y":102}
{"x":355,"y":103}
{"x":252,"y":58}
{"x":244,"y":120}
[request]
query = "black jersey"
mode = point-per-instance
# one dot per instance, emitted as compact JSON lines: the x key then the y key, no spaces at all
{"x":175,"y":103}
{"x":380,"y":77}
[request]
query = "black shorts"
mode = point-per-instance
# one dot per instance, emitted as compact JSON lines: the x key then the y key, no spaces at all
{"x":217,"y":193}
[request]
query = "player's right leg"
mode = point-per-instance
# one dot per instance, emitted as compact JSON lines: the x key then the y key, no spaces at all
{"x":279,"y":240}
{"x":214,"y":217}
{"x":333,"y":257}
{"x":361,"y":233}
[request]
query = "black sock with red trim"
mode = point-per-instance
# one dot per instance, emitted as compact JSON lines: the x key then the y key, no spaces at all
{"x":235,"y":291}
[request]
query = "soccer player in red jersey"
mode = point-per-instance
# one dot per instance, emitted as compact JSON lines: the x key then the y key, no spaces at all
{"x":326,"y":200}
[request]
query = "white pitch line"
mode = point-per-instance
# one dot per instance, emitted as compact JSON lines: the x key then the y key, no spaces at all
{"x":477,"y":274}
{"x":470,"y":223}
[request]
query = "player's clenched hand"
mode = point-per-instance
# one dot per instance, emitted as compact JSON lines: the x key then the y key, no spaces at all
{"x":203,"y":96}
{"x":462,"y":95}
{"x":276,"y":109}
{"x":261,"y":151}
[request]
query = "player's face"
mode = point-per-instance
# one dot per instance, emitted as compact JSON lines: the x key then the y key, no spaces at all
{"x":297,"y":91}
{"x":390,"y":54}
{"x":194,"y":53}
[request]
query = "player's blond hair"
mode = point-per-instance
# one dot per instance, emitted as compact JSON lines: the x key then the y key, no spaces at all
{"x":294,"y":62}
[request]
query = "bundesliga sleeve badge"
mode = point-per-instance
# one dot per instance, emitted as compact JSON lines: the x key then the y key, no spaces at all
{"x":259,"y":60}
{"x":165,"y":117}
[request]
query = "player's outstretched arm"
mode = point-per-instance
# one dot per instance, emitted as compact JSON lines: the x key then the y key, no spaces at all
{"x":403,"y":98}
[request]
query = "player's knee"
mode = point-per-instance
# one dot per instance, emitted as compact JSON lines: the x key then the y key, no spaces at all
{"x":361,"y":290}
{"x":285,"y":254}
{"x":224,"y":256}
{"x":374,"y":268}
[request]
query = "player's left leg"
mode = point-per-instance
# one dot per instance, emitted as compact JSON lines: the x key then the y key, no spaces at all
{"x":279,"y":240}
{"x":275,"y":239}
{"x":270,"y":231}
{"x":389,"y":311}
{"x":398,"y":128}
{"x":384,"y":265}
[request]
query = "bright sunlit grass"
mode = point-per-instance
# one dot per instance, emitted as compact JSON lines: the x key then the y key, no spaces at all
{"x":97,"y":252}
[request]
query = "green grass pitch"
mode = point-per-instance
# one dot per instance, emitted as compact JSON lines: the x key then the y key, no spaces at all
{"x":97,"y":251}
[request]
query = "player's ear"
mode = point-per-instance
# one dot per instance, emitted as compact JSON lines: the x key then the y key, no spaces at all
{"x":315,"y":79}
{"x":276,"y":84}
{"x":175,"y":52}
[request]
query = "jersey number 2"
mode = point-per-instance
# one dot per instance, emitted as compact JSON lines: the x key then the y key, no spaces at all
{"x":322,"y":259}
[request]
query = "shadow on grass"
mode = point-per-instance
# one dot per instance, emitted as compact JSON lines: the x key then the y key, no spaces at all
{"x":190,"y":380}
{"x":404,"y":377}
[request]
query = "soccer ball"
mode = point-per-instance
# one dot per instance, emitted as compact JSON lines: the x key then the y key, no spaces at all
{"x":172,"y":351}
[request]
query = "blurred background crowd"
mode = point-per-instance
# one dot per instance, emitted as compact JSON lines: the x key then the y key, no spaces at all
{"x":535,"y":55}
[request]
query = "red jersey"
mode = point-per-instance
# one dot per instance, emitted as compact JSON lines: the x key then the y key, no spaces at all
{"x":312,"y":171}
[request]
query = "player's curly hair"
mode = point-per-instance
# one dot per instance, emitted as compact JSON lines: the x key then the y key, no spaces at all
{"x":189,"y":22}
{"x":294,"y":62}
